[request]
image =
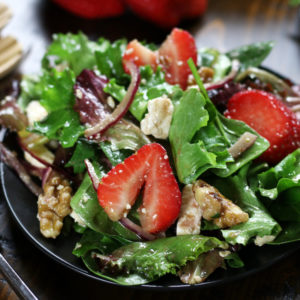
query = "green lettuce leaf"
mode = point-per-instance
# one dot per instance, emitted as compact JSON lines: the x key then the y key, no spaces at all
{"x":251,"y":55}
{"x":31,"y":89}
{"x":86,"y":206}
{"x":114,"y":156}
{"x":260,"y":223}
{"x":63,"y":122}
{"x":109,"y":60}
{"x":73,"y":50}
{"x":83,"y":150}
{"x":200,"y":138}
{"x":281,"y":185}
{"x":147,"y":261}
{"x":283,"y":176}
{"x":152,"y":85}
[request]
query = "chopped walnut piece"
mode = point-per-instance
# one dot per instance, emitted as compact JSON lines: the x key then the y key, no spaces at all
{"x":216,"y":207}
{"x":206,"y":75}
{"x":54,"y":205}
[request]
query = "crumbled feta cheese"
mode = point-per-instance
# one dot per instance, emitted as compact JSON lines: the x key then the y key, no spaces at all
{"x":77,"y":219}
{"x":260,"y":241}
{"x":35,"y":112}
{"x":158,"y":119}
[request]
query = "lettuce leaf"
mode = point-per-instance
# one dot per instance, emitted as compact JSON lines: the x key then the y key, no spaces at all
{"x":73,"y":50}
{"x":251,"y":55}
{"x":260,"y":223}
{"x":86,"y":206}
{"x":200,"y":138}
{"x":152,"y":85}
{"x":142,"y":262}
{"x":281,"y":185}
{"x":109,"y":60}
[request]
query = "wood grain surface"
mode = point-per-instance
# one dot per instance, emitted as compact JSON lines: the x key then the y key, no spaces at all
{"x":226,"y":25}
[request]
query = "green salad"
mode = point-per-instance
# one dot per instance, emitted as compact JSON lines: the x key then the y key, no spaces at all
{"x":165,"y":159}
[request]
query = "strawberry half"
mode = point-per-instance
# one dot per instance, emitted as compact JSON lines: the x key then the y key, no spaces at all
{"x":117,"y":191}
{"x":270,"y":118}
{"x":173,"y":55}
{"x":139,"y":55}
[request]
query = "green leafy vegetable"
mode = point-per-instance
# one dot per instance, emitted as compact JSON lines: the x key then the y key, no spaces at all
{"x":63,"y":122}
{"x":31,"y":89}
{"x":71,"y":50}
{"x":294,"y":2}
{"x":283,"y":176}
{"x":147,"y":261}
{"x":281,"y":184}
{"x":251,"y":55}
{"x":234,"y":261}
{"x":200,"y":137}
{"x":86,"y":206}
{"x":114,"y":156}
{"x":152,"y":85}
{"x":109,"y":60}
{"x":84,"y":150}
{"x":260,"y":223}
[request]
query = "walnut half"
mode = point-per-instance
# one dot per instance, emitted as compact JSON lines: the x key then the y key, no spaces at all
{"x":54,"y":205}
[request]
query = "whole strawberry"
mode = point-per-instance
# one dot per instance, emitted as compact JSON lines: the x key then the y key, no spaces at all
{"x":271,"y":118}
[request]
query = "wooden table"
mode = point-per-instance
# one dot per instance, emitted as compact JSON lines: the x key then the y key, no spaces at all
{"x":226,"y":25}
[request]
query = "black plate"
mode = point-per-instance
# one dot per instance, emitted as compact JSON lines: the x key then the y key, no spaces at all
{"x":23,"y":206}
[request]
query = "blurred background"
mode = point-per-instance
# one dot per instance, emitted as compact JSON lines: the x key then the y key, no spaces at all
{"x":221,"y":24}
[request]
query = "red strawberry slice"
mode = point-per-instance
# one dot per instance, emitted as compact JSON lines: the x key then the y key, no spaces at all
{"x":173,"y":55}
{"x":92,"y":9}
{"x":118,"y":190}
{"x":270,"y":118}
{"x":139,"y":55}
{"x":167,"y":13}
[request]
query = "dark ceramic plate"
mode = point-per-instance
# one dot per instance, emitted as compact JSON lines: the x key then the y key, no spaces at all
{"x":22,"y":204}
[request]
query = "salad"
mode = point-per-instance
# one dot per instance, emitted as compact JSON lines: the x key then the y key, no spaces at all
{"x":164,"y":159}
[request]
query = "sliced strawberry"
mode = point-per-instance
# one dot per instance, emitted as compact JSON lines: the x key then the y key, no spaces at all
{"x":167,"y":13}
{"x":270,"y":118}
{"x":140,"y":55}
{"x":118,"y":191}
{"x":92,"y":9}
{"x":173,"y":55}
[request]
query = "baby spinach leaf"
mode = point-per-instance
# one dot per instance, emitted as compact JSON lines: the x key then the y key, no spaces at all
{"x":109,"y":60}
{"x":147,"y":261}
{"x":72,"y":50}
{"x":260,"y":223}
{"x":152,"y":85}
{"x":251,"y":55}
{"x":85,"y":204}
{"x":234,"y":261}
{"x":83,"y":150}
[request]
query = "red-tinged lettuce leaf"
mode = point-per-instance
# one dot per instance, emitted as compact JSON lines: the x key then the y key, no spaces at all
{"x":10,"y":159}
{"x":90,"y":98}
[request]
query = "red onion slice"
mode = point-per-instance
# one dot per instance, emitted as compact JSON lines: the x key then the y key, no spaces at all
{"x":46,"y":175}
{"x":92,"y":173}
{"x":111,"y":119}
{"x":10,"y":159}
{"x":138,"y":230}
{"x":216,"y":85}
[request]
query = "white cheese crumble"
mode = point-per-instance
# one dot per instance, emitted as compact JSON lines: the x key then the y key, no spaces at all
{"x":158,"y":119}
{"x":260,"y":241}
{"x":35,"y":112}
{"x":77,"y":219}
